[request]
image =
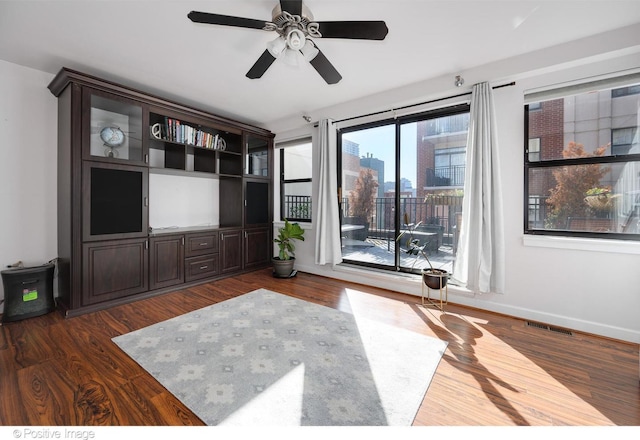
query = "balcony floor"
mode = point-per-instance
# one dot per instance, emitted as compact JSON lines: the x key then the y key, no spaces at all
{"x":381,"y":252}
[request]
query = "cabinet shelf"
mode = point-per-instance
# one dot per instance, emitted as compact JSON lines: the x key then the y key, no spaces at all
{"x":191,"y":147}
{"x":186,"y":131}
{"x":185,"y":173}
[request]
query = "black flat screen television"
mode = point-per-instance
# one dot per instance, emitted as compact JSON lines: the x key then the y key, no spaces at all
{"x":116,"y":201}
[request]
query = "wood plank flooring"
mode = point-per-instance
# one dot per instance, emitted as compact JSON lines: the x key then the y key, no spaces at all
{"x":496,"y":370}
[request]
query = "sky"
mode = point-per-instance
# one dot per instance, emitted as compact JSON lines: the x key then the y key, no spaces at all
{"x":379,"y":142}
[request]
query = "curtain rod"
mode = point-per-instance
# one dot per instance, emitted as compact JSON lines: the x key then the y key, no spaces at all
{"x":415,"y":105}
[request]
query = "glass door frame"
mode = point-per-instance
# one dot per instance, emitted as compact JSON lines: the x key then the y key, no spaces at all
{"x":125,"y":102}
{"x":398,"y":122}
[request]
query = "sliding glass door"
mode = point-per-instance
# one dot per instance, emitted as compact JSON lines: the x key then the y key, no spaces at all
{"x":401,"y":190}
{"x":368,"y":195}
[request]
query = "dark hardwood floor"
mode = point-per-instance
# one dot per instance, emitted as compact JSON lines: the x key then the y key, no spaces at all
{"x":496,"y":370}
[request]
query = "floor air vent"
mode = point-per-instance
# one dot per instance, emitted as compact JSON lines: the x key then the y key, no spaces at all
{"x":560,"y":330}
{"x":546,"y":327}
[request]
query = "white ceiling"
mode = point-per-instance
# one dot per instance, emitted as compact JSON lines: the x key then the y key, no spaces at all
{"x":152,"y":46}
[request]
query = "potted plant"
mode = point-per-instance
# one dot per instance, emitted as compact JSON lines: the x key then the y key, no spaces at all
{"x":600,"y":199}
{"x":283,"y":263}
{"x":432,"y":277}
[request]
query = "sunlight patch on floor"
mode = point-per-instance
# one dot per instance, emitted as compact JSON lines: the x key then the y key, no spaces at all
{"x":506,"y":374}
{"x":281,"y":402}
{"x":501,"y":374}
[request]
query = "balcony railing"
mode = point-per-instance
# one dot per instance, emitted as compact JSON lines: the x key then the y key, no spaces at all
{"x":297,"y":207}
{"x":446,"y":176}
{"x":436,"y":210}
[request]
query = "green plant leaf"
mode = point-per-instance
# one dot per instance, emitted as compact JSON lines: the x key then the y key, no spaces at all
{"x":286,"y":235}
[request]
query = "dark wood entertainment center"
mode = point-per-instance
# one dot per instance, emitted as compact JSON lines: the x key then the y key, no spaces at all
{"x":111,"y":138}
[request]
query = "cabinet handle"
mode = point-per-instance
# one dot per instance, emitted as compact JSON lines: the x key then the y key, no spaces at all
{"x":245,"y":234}
{"x":203,"y":244}
{"x":146,"y":244}
{"x":182,"y":241}
{"x":146,"y":158}
{"x":203,"y":267}
{"x":146,"y":201}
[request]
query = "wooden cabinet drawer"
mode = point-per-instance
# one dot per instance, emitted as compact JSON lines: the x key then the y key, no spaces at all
{"x":201,"y":267}
{"x":201,"y":244}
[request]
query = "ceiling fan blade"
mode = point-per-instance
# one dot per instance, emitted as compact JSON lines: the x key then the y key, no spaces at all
{"x":293,"y":7}
{"x":325,"y":68}
{"x":261,"y":66}
{"x":226,"y":20}
{"x":358,"y":30}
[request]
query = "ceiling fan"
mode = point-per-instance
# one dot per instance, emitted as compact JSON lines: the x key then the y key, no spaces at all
{"x":294,"y":24}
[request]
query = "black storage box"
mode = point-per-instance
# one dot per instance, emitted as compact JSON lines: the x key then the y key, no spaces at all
{"x":28,"y":292}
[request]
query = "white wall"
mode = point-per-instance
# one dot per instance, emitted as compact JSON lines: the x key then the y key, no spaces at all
{"x":183,"y":201}
{"x":586,"y":285}
{"x":28,"y":152}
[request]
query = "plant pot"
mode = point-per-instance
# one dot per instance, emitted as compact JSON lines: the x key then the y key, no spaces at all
{"x":435,"y":278}
{"x":600,"y":202}
{"x":282,"y":268}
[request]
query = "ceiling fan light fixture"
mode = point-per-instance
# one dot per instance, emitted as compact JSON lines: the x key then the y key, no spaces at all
{"x":290,"y":57}
{"x":295,"y":26}
{"x":296,"y":39}
{"x":276,"y":46}
{"x":309,"y":51}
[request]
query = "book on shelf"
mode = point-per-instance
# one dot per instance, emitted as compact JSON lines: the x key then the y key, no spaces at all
{"x":175,"y":130}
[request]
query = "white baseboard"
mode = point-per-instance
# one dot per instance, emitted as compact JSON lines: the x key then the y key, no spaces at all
{"x":411,"y":285}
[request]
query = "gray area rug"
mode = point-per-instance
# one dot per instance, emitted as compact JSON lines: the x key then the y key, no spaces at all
{"x":267,"y":359}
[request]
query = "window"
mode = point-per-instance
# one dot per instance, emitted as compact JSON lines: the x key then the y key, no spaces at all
{"x":582,"y":160}
{"x":624,"y":91}
{"x":295,"y":180}
{"x":622,"y":139}
{"x":450,"y":166}
{"x":401,"y":175}
{"x":534,"y":149}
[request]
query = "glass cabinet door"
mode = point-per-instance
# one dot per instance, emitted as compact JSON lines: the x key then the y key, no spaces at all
{"x":257,"y":163}
{"x":257,"y":203}
{"x":115,"y":129}
{"x":114,"y":201}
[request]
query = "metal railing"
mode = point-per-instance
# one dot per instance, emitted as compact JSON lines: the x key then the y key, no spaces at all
{"x":446,"y":176}
{"x":436,"y":212}
{"x":297,"y":207}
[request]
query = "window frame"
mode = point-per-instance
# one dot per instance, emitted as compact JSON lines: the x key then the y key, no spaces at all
{"x":560,"y":162}
{"x":396,"y":122}
{"x":284,"y":182}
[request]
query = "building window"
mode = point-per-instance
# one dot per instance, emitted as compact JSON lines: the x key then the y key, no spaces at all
{"x":622,"y":140}
{"x":534,"y":149}
{"x":295,"y":181}
{"x":449,"y":167}
{"x":625,"y":91}
{"x":582,"y":161}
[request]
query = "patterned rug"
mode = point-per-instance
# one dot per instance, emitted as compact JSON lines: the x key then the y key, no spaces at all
{"x":267,"y":359}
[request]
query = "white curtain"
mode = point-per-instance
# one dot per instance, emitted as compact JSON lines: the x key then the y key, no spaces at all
{"x":480,"y":259}
{"x":326,"y":214}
